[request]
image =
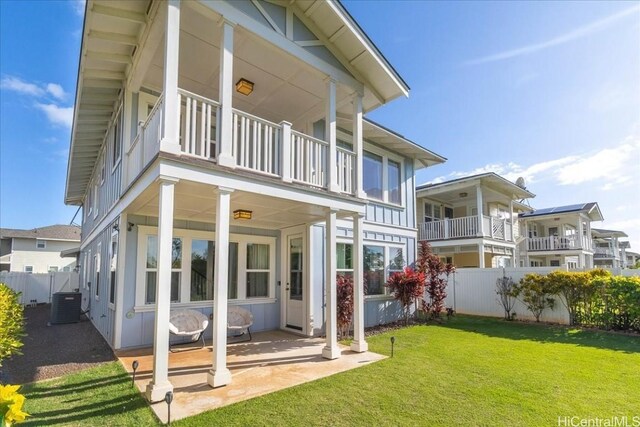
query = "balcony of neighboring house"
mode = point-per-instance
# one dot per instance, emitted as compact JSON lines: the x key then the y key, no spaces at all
{"x":551,"y":236}
{"x":479,"y":206}
{"x":606,"y":252}
{"x":464,"y":227}
{"x":222,"y":96}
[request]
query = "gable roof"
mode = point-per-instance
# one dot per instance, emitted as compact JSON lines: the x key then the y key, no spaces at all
{"x":51,"y":232}
{"x":600,"y":232}
{"x":488,"y":178}
{"x":592,"y":209}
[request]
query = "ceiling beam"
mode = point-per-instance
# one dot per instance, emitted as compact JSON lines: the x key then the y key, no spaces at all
{"x":108,"y":57}
{"x":148,"y":43}
{"x":114,"y":37}
{"x":91,"y":73}
{"x":102,"y":84}
{"x":119,"y":13}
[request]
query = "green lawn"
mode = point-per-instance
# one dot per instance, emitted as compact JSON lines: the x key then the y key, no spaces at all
{"x":469,"y":371}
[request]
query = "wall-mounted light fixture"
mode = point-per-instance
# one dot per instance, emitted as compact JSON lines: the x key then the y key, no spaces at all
{"x":244,"y":86}
{"x":130,"y":226}
{"x":116,"y":227}
{"x":464,"y":194}
{"x":242,"y":214}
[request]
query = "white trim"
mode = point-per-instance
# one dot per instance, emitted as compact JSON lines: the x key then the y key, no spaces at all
{"x":386,"y":156}
{"x":38,"y":241}
{"x":187,"y":237}
{"x":149,"y":308}
{"x":97,"y":260}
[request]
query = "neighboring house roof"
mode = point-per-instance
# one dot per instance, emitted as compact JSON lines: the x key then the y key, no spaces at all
{"x":358,"y":54}
{"x":592,"y":209}
{"x":625,"y":245}
{"x":599,"y":232}
{"x":492,"y":179}
{"x":51,"y":232}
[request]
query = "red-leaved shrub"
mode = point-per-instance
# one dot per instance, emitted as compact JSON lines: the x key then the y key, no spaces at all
{"x":344,"y":296}
{"x":436,"y":275}
{"x":405,"y":287}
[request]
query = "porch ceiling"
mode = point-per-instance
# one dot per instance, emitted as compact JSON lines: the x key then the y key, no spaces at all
{"x":285,"y":88}
{"x":197,"y":202}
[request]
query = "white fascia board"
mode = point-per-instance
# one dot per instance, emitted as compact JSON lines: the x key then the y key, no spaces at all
{"x":255,"y":185}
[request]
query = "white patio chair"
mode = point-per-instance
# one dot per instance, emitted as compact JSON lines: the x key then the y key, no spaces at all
{"x":239,"y":321}
{"x":188,"y":323}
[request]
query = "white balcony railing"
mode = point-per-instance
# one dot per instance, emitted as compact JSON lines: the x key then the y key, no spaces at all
{"x":198,"y":125}
{"x":257,"y":145}
{"x":146,"y":143}
{"x":552,"y":243}
{"x":455,"y":228}
{"x":599,"y":252}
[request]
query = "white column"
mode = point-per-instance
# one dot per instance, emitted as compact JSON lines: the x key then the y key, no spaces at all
{"x":580,"y":239}
{"x":481,"y":255}
{"x":225,"y":155}
{"x":358,"y":145}
{"x":479,"y":209}
{"x":330,"y":135}
{"x":160,"y":384}
{"x":513,"y":238}
{"x":171,"y":107}
{"x":285,"y":152}
{"x":219,"y":375}
{"x":359,"y":344}
{"x":331,"y":350}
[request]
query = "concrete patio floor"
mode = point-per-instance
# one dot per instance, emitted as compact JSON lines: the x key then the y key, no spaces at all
{"x":272,"y":361}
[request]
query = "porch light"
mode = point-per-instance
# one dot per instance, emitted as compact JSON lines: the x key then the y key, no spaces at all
{"x":244,"y":86}
{"x":242,"y":214}
{"x":463,"y":194}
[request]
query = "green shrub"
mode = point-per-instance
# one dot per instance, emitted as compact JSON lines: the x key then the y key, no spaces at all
{"x":617,"y":303}
{"x":536,"y":293}
{"x":11,"y":323}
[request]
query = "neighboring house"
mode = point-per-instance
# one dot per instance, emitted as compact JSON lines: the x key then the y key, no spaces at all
{"x":624,"y":260}
{"x":632,"y":259}
{"x":559,"y":236}
{"x":221,"y":157}
{"x":472,"y":221}
{"x":38,"y":250}
{"x":606,"y":248}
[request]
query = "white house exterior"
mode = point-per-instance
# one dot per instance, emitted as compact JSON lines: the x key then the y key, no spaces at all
{"x":469,"y":216}
{"x":607,"y":251}
{"x":170,"y":158}
{"x":38,"y":250}
{"x":559,"y":236}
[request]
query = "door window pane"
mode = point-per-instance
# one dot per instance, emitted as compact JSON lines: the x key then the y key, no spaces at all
{"x":295,"y":269}
{"x":374,"y":269}
{"x":393,"y":171}
{"x":372,"y":175}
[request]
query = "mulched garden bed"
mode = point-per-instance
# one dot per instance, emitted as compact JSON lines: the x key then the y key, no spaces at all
{"x":56,"y":350}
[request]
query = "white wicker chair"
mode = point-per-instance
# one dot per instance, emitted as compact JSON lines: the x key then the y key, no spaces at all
{"x":239,"y":321}
{"x":188,"y":323}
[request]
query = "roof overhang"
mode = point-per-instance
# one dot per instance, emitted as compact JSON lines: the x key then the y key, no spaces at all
{"x":490,"y":180}
{"x":70,"y":253}
{"x":599,"y":232}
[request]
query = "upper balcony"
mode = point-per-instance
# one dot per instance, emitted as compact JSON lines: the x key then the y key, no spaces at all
{"x":466,"y":227}
{"x":557,"y":243}
{"x":257,"y":145}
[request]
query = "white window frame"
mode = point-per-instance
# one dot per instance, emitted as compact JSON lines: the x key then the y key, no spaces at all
{"x":27,"y":267}
{"x":96,"y":198}
{"x":187,"y":237}
{"x":117,"y":131}
{"x":49,"y":267}
{"x":43,"y":242}
{"x":432,"y":207}
{"x":387,"y":260}
{"x":96,"y":272}
{"x":86,"y":269}
{"x":386,"y":156}
{"x":103,"y":162}
{"x":113,"y":260}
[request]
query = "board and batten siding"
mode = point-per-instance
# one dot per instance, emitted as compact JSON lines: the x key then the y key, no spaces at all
{"x":107,"y":176}
{"x":138,"y":326}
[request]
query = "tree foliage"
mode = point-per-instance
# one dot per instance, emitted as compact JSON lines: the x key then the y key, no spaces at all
{"x":406,"y":287}
{"x":11,"y":323}
{"x":436,"y":275}
{"x":536,"y":294}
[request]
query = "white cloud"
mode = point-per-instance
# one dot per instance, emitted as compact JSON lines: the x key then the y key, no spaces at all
{"x":561,"y":39}
{"x":56,"y":90}
{"x":57,"y":115}
{"x":609,"y":167}
{"x":78,"y":6}
{"x":18,"y":85}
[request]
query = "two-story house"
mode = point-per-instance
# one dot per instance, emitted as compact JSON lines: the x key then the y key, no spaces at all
{"x":607,"y":248}
{"x":221,"y":157}
{"x":559,"y":236}
{"x":38,"y":250}
{"x":471,"y":221}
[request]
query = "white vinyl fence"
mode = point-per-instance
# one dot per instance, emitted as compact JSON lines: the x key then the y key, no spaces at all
{"x":38,"y":288}
{"x":473,"y":291}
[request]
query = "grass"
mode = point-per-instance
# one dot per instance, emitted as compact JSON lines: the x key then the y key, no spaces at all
{"x":100,"y":396}
{"x":468,"y":371}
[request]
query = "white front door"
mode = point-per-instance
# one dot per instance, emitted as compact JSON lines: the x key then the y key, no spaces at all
{"x":294,"y":282}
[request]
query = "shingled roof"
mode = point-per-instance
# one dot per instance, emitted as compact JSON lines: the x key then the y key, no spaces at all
{"x":52,"y":232}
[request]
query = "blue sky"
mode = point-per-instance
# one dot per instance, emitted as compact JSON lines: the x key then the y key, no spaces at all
{"x":545,"y":90}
